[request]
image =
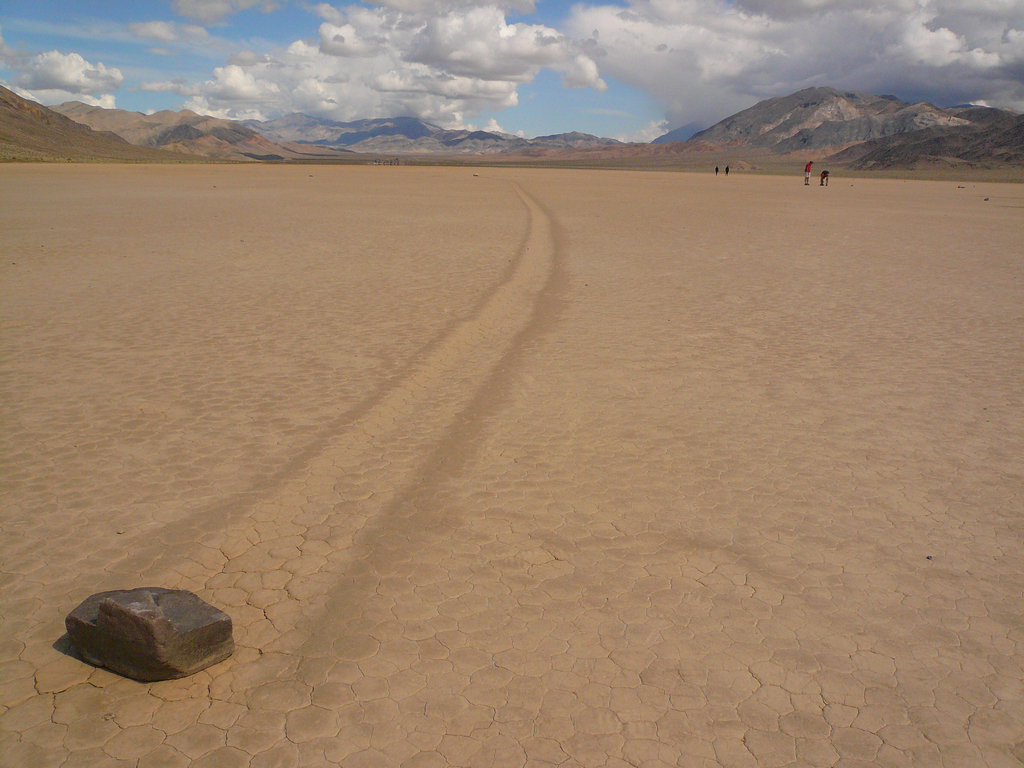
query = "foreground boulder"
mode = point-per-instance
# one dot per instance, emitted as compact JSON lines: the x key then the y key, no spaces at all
{"x":150,"y":633}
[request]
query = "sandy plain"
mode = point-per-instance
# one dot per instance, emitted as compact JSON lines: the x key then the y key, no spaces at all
{"x":502,"y":467}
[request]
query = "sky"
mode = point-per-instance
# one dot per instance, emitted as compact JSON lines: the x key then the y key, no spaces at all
{"x":630,"y":69}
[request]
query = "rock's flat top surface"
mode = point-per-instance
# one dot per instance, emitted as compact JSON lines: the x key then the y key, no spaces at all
{"x":635,"y":469}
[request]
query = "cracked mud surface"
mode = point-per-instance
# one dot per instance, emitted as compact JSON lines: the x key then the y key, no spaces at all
{"x":525,"y":469}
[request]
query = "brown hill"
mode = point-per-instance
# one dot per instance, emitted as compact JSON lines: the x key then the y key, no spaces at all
{"x":408,"y":136}
{"x":992,"y":138}
{"x":183,"y":131}
{"x":31,"y":132}
{"x":824,"y":118}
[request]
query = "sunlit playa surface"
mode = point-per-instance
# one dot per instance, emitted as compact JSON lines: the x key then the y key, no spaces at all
{"x":505,"y":467}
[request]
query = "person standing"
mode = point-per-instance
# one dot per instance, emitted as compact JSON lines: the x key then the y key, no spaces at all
{"x":807,"y":173}
{"x":727,"y":170}
{"x":716,"y":170}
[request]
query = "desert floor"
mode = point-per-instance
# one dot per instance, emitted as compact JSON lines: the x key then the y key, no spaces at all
{"x":517,"y":468}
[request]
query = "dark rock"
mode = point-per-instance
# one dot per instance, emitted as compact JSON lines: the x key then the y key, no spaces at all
{"x":150,"y":633}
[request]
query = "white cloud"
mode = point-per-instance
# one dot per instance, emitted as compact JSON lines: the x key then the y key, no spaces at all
{"x":494,"y":127}
{"x":6,"y":53}
{"x":179,"y":87}
{"x":329,"y":13}
{"x":479,"y":43}
{"x":210,"y":11}
{"x":582,"y":73}
{"x":345,"y":40}
{"x":442,"y":66}
{"x":648,"y":133}
{"x":53,"y":70}
{"x":50,"y":96}
{"x":938,"y":47}
{"x":234,"y":92}
{"x":233,"y":83}
{"x":168,"y":31}
{"x":439,"y":7}
{"x":53,"y":77}
{"x":795,"y":9}
{"x":248,"y":58}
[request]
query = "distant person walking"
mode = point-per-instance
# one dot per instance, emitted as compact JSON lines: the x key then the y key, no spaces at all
{"x":807,"y":173}
{"x":824,"y":178}
{"x":716,"y":170}
{"x":727,"y":170}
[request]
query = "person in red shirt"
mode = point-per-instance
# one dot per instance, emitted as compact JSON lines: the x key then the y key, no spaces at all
{"x":807,"y":173}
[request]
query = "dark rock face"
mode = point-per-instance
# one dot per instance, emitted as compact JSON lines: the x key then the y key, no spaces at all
{"x":993,"y":139}
{"x":150,"y":633}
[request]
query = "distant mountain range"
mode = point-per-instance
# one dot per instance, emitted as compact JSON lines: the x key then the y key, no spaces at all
{"x":858,"y":130}
{"x":183,"y":131}
{"x":297,"y":136}
{"x":408,"y":136}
